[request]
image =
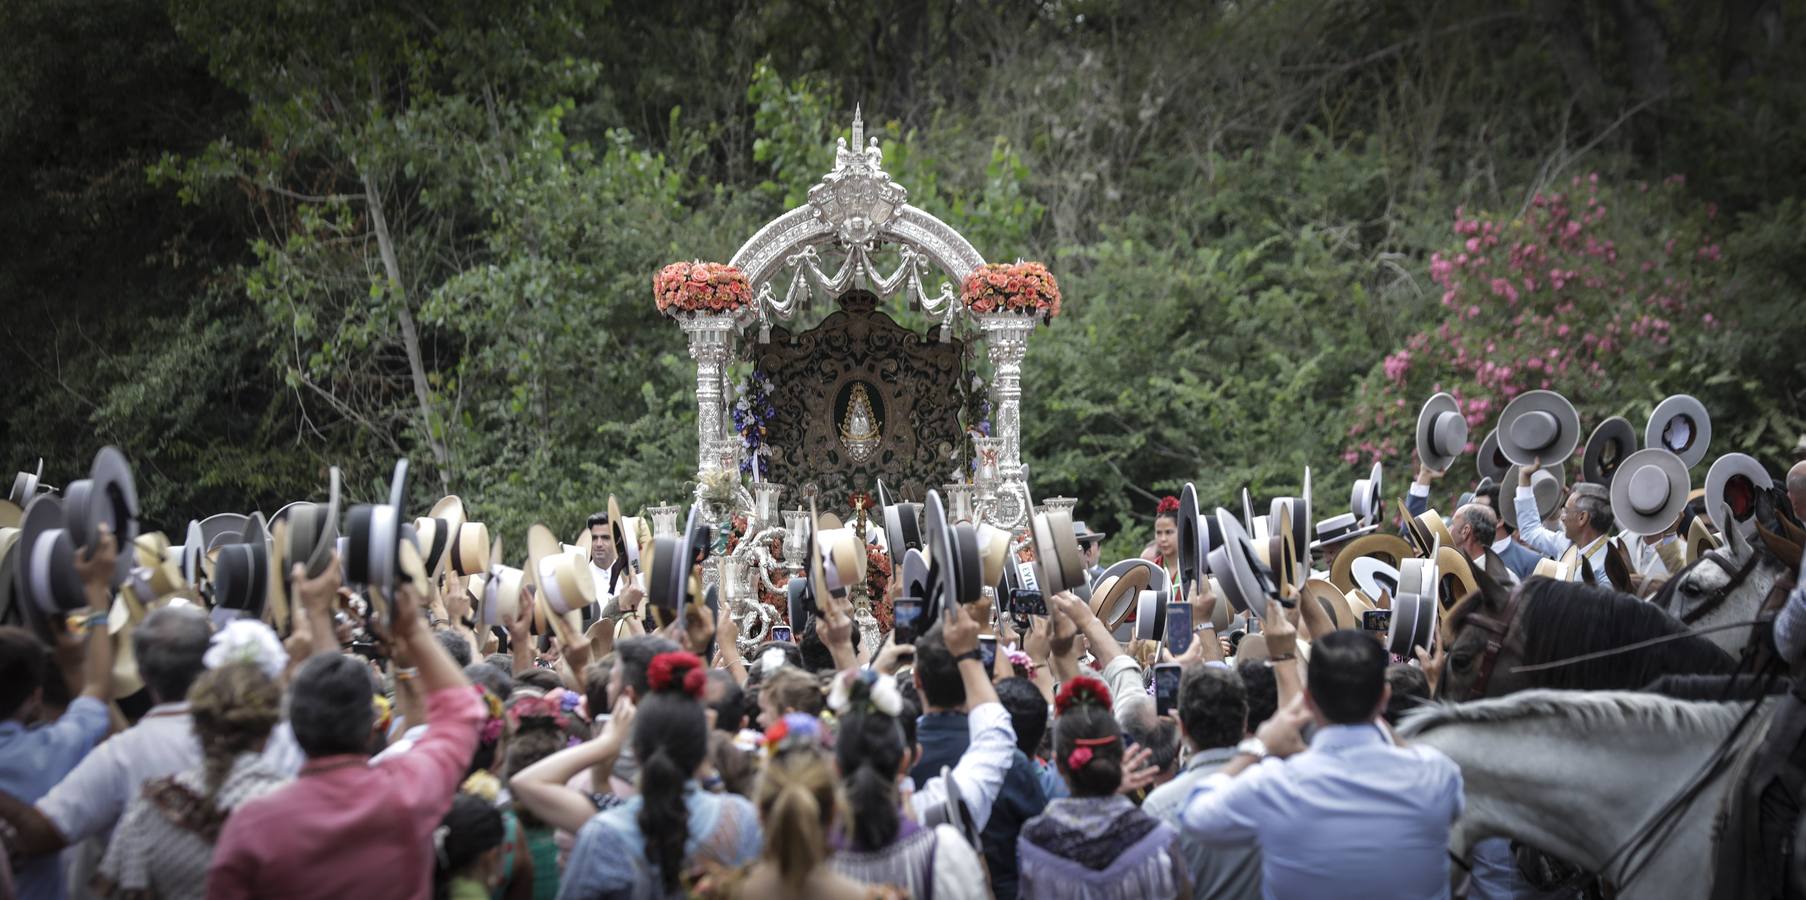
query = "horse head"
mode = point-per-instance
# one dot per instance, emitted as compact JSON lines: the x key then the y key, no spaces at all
{"x":1724,"y":586}
{"x":1482,"y":650}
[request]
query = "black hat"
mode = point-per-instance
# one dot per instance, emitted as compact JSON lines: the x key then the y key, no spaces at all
{"x":241,"y":575}
{"x":45,"y":569}
{"x":376,"y":531}
{"x":1606,"y":450}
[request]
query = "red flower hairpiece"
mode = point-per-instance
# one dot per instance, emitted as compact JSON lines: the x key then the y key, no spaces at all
{"x":682,"y":671}
{"x":1168,"y":504}
{"x":1081,"y":691}
{"x":1082,"y":754}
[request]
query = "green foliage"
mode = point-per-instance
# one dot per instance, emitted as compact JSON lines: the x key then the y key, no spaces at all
{"x":1241,"y":205}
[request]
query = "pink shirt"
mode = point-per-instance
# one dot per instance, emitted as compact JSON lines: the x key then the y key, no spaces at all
{"x":348,"y":829}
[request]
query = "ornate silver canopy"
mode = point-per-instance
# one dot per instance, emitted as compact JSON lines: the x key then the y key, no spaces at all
{"x":853,"y":212}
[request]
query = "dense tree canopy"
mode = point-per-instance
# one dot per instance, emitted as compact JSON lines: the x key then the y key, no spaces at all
{"x":247,"y":240}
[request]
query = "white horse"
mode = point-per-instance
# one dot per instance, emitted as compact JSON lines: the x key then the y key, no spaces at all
{"x":1578,"y":774}
{"x":1724,"y":586}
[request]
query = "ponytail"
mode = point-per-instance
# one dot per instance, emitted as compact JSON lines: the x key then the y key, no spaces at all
{"x":670,"y":737}
{"x":796,"y":807}
{"x":870,"y":751}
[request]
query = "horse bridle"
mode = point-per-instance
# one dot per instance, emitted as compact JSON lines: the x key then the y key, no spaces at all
{"x":1718,"y":597}
{"x":1499,"y":629}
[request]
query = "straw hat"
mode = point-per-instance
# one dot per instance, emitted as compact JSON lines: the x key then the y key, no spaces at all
{"x":1732,"y":485}
{"x":1279,"y":554}
{"x":1700,"y":539}
{"x":1456,"y":576}
{"x":839,"y":561}
{"x":1539,"y":425}
{"x":993,"y":553}
{"x":469,"y":552}
{"x":1299,"y":512}
{"x":436,"y":530}
{"x":1441,"y":432}
{"x":1681,"y":425}
{"x":1335,"y":605}
{"x":1560,"y":570}
{"x":1610,"y":445}
{"x":1059,"y":564}
{"x":1650,"y":491}
{"x":1426,"y":530}
{"x":1119,"y":589}
{"x":10,"y":514}
{"x":1384,"y":546}
{"x":562,"y":586}
{"x":632,"y":536}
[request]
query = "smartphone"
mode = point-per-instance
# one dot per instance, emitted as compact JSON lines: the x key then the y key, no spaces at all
{"x":1166,"y":687}
{"x":1027,"y":602}
{"x":1178,"y":628}
{"x":780,"y":632}
{"x":1376,"y":620}
{"x":1253,"y":624}
{"x":987,"y":647}
{"x":906,"y":618}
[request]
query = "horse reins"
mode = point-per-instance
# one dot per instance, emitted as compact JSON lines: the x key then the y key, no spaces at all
{"x":1628,"y":648}
{"x":1500,"y":629}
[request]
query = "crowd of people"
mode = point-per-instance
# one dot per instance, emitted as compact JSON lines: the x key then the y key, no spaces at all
{"x":651,"y":754}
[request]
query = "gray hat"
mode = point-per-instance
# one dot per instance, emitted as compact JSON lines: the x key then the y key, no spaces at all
{"x":1539,"y":425}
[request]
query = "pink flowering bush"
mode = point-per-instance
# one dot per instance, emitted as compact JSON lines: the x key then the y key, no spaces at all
{"x":1594,"y":292}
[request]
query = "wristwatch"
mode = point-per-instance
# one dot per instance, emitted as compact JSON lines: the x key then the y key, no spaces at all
{"x":1252,"y":746}
{"x":973,"y":654}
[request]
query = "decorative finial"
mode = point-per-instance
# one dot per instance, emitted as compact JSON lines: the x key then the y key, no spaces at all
{"x":858,"y":128}
{"x":857,"y":198}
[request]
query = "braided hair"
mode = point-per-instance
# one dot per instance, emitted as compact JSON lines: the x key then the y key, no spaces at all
{"x":234,"y":708}
{"x":671,"y":738}
{"x":1087,"y":742}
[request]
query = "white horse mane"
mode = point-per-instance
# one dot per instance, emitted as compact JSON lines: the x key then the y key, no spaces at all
{"x":1585,"y":710}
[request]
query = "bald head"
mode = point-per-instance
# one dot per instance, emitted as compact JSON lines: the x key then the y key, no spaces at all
{"x":1474,"y":528}
{"x":1796,"y":489}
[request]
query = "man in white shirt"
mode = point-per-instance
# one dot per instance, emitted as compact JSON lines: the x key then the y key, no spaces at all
{"x":1355,"y":815}
{"x":1586,"y":520}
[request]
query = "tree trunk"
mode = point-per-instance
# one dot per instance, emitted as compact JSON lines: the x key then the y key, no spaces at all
{"x":1645,"y":48}
{"x":410,"y":335}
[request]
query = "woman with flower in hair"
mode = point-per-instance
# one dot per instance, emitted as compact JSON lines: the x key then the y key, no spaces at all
{"x":468,"y":849}
{"x":165,"y":841}
{"x":1164,"y":551}
{"x":800,"y":809}
{"x":878,"y":844}
{"x":644,"y":847}
{"x":1096,"y":843}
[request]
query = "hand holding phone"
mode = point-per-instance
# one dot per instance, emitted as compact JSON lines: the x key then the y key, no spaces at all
{"x":1376,"y":620}
{"x":987,"y":648}
{"x":1178,"y":628}
{"x":906,"y":617}
{"x":1166,"y":688}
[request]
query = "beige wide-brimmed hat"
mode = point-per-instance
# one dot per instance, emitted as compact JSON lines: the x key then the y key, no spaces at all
{"x":1426,"y":530}
{"x":1649,"y":491}
{"x":1539,"y":425}
{"x":1681,"y":425}
{"x":1700,"y":539}
{"x":1441,"y":432}
{"x":1389,"y":548}
{"x":562,"y":583}
{"x":1456,"y":573}
{"x":469,"y":553}
{"x":1120,"y":586}
{"x":1334,"y":603}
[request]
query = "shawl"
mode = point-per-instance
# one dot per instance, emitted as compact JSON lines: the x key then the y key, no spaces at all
{"x":164,"y":842}
{"x":1096,"y":847}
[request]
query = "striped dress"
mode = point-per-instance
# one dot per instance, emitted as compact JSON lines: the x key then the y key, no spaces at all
{"x":164,"y":843}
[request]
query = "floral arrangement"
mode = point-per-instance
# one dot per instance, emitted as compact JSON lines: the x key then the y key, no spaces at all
{"x":1022,"y":287}
{"x":796,"y":731}
{"x":753,"y":414}
{"x":877,"y":584}
{"x":247,"y":641}
{"x":718,"y":486}
{"x":699,"y":287}
{"x":1596,"y":292}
